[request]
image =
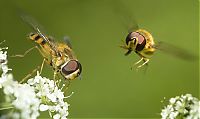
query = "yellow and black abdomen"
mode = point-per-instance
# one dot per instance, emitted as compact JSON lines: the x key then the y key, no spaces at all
{"x":45,"y":47}
{"x":37,"y":38}
{"x":42,"y":42}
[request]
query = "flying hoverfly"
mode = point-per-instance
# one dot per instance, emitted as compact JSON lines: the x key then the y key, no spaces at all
{"x":59,"y":56}
{"x":142,"y":42}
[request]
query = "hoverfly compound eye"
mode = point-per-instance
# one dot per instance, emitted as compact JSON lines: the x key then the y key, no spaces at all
{"x":71,"y":69}
{"x":132,"y":36}
{"x":135,"y":36}
{"x":80,"y":68}
{"x":128,"y":38}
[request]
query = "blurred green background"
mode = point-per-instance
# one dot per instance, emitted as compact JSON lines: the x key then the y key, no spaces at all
{"x":109,"y":88}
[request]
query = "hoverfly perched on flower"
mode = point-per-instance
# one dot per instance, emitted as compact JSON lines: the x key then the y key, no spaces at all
{"x":58,"y":55}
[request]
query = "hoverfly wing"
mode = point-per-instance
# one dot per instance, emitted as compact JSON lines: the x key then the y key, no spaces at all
{"x":38,"y":29}
{"x":175,"y":51}
{"x":133,"y":26}
{"x":125,"y":15}
{"x":70,"y":52}
{"x":67,"y":40}
{"x":51,"y":39}
{"x":33,"y":24}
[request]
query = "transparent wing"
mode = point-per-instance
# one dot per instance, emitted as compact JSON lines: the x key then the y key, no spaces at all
{"x":33,"y":25}
{"x":125,"y":15}
{"x":67,"y":40}
{"x":70,"y":52}
{"x":37,"y":28}
{"x":175,"y":51}
{"x":52,"y":39}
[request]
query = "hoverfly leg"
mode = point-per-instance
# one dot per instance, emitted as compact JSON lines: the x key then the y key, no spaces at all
{"x":54,"y":78}
{"x":29,"y":75}
{"x":63,"y":84}
{"x":42,"y":66}
{"x":137,"y":63}
{"x":25,"y":53}
{"x":123,"y":47}
{"x":145,"y":63}
{"x":67,"y":86}
{"x":146,"y":67}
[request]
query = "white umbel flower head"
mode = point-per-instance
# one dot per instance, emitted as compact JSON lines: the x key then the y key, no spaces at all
{"x":38,"y":94}
{"x":3,"y":65}
{"x":21,"y":96}
{"x":52,"y":98}
{"x":182,"y":107}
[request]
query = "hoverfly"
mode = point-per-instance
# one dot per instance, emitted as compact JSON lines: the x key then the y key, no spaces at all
{"x":59,"y":56}
{"x":142,"y":43}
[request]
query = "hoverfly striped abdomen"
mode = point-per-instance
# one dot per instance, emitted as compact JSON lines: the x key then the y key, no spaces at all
{"x":37,"y":38}
{"x":41,"y":42}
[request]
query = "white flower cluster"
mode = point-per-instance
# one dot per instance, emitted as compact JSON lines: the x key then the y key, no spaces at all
{"x":26,"y":100}
{"x":182,"y":107}
{"x":51,"y":97}
{"x":3,"y":65}
{"x":21,"y":97}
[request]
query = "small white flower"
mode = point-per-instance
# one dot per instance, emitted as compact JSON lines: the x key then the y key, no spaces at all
{"x":44,"y":107}
{"x":173,"y":115}
{"x":166,"y":112}
{"x":56,"y":116}
{"x":172,"y":100}
{"x":51,"y":97}
{"x":184,"y":106}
